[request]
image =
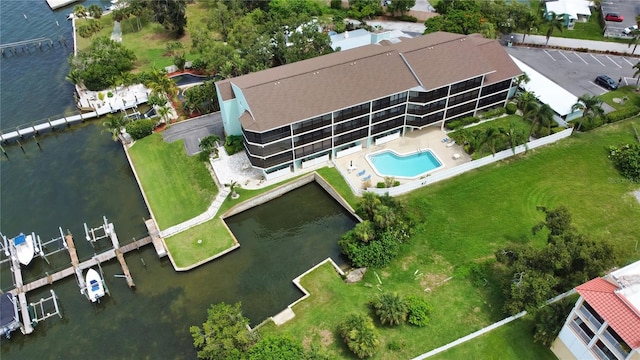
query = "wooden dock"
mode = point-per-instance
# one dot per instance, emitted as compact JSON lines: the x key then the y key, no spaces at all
{"x":158,"y":243}
{"x":26,"y":327}
{"x":100,"y":258}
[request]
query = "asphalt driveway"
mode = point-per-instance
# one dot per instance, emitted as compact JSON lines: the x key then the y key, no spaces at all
{"x":193,"y":130}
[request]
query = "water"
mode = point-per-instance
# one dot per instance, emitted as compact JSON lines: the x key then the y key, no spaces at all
{"x":81,"y":175}
{"x":388,"y":163}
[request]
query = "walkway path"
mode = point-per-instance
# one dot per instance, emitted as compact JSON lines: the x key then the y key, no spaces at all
{"x":116,"y":35}
{"x":571,"y":43}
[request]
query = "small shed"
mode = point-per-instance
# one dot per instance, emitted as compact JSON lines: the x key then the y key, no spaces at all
{"x":573,"y":10}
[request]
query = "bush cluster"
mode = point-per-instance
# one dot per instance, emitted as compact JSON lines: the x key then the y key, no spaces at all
{"x":407,"y":18}
{"x":141,"y":128}
{"x":457,"y":124}
{"x":233,"y":144}
{"x":622,"y":114}
{"x":493,"y":113}
{"x":511,"y":108}
{"x":626,"y":158}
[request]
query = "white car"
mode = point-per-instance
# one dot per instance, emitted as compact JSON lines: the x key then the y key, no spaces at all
{"x":630,"y":29}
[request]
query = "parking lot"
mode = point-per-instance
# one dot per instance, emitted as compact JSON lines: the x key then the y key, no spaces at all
{"x":627,"y":8}
{"x":576,"y":71}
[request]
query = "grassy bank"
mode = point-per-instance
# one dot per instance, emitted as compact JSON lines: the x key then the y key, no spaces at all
{"x":461,"y":222}
{"x":177,"y":187}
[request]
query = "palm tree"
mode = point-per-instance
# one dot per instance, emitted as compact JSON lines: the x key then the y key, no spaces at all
{"x":368,"y":204}
{"x":514,"y":136}
{"x":364,"y":231}
{"x":526,"y":101}
{"x":114,"y":124}
{"x":591,"y":107}
{"x":391,"y":308}
{"x":491,"y":137}
{"x":384,"y":217}
{"x":635,"y":38}
{"x":233,"y":185}
{"x":360,"y":335}
{"x":95,"y":11}
{"x":74,"y":76}
{"x":522,"y":78}
{"x":529,"y":22}
{"x":79,"y":11}
{"x":636,"y":74}
{"x":554,"y":22}
{"x":164,"y":111}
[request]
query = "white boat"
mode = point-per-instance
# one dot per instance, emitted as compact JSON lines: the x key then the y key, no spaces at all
{"x":24,"y":248}
{"x":95,"y":287}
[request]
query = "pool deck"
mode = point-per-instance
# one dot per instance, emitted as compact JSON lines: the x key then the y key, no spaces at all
{"x":238,"y":168}
{"x":428,"y":138}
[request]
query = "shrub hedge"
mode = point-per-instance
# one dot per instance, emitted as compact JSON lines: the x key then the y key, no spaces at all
{"x":623,"y":113}
{"x":141,"y":128}
{"x":511,"y":108}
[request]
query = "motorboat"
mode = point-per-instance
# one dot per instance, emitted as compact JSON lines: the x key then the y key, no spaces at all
{"x":95,"y":286}
{"x":25,"y":248}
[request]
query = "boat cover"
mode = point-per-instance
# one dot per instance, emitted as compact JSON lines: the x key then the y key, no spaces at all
{"x":20,"y":239}
{"x":7,"y":311}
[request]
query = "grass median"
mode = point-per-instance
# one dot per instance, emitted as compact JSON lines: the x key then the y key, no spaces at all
{"x":177,"y":187}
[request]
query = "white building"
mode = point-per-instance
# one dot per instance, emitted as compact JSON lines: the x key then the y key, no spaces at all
{"x":605,"y":323}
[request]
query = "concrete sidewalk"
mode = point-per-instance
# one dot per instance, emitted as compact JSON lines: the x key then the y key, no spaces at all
{"x":571,"y":43}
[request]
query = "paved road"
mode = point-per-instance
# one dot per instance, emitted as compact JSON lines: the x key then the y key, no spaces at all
{"x":193,"y":130}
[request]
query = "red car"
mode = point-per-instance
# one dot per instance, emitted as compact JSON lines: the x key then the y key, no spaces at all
{"x":614,"y":17}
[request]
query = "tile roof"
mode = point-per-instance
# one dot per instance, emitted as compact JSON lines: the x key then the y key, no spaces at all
{"x":308,"y":88}
{"x":602,"y":296}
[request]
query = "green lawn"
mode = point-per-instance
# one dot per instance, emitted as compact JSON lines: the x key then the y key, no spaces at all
{"x":511,"y":341}
{"x":462,"y":221}
{"x":628,"y":91}
{"x":177,"y":187}
{"x":149,"y":44}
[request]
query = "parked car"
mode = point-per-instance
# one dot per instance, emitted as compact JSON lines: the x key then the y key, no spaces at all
{"x":614,"y":17}
{"x":630,"y":29}
{"x":606,"y":82}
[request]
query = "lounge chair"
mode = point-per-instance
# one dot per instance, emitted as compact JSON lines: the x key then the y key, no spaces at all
{"x":361,"y":173}
{"x":368,"y":177}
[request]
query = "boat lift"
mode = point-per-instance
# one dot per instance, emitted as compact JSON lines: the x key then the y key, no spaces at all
{"x":41,"y":311}
{"x":39,"y":247}
{"x":101,"y":232}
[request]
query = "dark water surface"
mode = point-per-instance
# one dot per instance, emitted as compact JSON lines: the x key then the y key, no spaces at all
{"x":81,"y":175}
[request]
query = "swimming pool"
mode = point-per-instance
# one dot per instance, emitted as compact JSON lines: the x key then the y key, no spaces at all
{"x":389,"y":163}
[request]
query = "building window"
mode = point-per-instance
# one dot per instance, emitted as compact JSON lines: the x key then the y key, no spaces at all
{"x":351,"y":112}
{"x":618,"y":344}
{"x":352,"y":136}
{"x":270,"y":149}
{"x":425,"y":120}
{"x":312,"y":136}
{"x":351,"y":125}
{"x":451,"y":112}
{"x":269,"y":136}
{"x":590,"y":315}
{"x":313,"y":148}
{"x":465,"y":85}
{"x":311,"y":124}
{"x":582,"y":329}
{"x":383,"y":126}
{"x":499,"y":97}
{"x":271,"y":161}
{"x":389,"y":113}
{"x":389,"y":101}
{"x":462,"y":98}
{"x":503,"y":85}
{"x":423,"y":97}
{"x":415,"y":109}
{"x":602,"y":351}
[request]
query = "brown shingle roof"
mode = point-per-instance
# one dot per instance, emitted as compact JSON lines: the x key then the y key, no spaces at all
{"x":309,"y":88}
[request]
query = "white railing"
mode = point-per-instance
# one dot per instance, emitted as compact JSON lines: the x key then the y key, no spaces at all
{"x":462,"y":168}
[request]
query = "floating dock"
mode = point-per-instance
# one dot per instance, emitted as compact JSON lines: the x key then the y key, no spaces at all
{"x":57,"y":4}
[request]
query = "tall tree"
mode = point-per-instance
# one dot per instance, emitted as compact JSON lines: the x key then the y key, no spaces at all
{"x":636,"y":73}
{"x":95,"y":11}
{"x":114,"y":124}
{"x":554,"y":21}
{"x":528,"y":23}
{"x":400,"y":7}
{"x":171,"y":14}
{"x":591,"y":107}
{"x":224,"y":334}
